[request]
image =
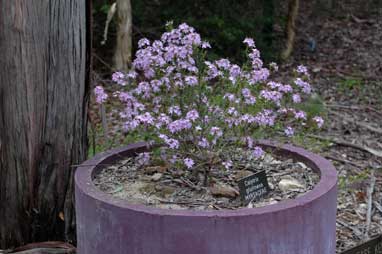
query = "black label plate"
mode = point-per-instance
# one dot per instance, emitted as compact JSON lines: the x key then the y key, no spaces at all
{"x":253,"y":187}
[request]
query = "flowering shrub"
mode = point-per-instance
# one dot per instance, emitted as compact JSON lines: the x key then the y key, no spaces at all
{"x":197,"y":108}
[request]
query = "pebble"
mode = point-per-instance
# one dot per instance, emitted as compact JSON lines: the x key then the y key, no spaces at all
{"x":290,"y":184}
{"x":156,"y":177}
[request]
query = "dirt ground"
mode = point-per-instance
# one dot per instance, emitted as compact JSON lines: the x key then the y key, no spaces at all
{"x":343,"y":51}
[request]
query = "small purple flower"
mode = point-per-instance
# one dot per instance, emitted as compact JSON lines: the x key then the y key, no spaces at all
{"x":254,"y":55}
{"x":265,"y":118}
{"x":189,"y":162}
{"x":274,"y":96}
{"x":296,"y":98}
{"x":192,"y":115}
{"x":289,"y":131}
{"x":232,"y":111}
{"x":302,"y":70}
{"x":205,"y":45}
{"x":257,"y":152}
{"x":203,"y":143}
{"x":146,"y":119}
{"x":300,"y":115}
{"x":216,"y":131}
{"x":250,"y":42}
{"x":191,"y":80}
{"x":227,"y":164}
{"x":179,"y":125}
{"x":172,"y":143}
{"x":319,"y":121}
{"x":174,"y":110}
{"x":119,"y":78}
{"x":130,"y":125}
{"x":100,"y":94}
{"x":143,"y":159}
{"x":305,"y":86}
{"x":273,"y":66}
{"x":223,"y":64}
{"x":250,"y":142}
{"x":143,"y":43}
{"x":285,"y":89}
{"x":229,"y":96}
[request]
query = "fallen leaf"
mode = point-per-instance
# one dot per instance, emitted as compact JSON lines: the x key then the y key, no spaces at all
{"x":223,"y":190}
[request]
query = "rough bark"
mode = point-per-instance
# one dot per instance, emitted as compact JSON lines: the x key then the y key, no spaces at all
{"x":43,"y":104}
{"x":122,"y":56}
{"x":293,"y":7}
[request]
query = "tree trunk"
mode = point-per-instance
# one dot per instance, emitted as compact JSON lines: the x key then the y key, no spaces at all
{"x":122,"y":57}
{"x":293,"y":7}
{"x":43,"y":124}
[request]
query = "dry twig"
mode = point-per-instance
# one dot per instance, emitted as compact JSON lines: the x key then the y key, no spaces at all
{"x":346,"y":143}
{"x":361,"y":124}
{"x":370,"y":191}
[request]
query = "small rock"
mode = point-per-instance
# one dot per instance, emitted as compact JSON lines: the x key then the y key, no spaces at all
{"x":302,"y":165}
{"x":223,"y":190}
{"x":156,"y":177}
{"x":362,"y":208}
{"x":290,"y":184}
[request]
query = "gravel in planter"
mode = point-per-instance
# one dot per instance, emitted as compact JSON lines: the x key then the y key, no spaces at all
{"x":165,"y":187}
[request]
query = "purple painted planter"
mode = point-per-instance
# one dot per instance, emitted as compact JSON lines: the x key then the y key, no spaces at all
{"x":305,"y":225}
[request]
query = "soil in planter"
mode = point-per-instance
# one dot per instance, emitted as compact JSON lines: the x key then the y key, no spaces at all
{"x":170,"y":188}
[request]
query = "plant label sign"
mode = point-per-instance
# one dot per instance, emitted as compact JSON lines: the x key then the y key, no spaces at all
{"x":374,"y":246}
{"x":253,"y":187}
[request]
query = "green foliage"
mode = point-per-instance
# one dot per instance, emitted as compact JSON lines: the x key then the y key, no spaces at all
{"x":344,"y":181}
{"x":224,"y":23}
{"x":102,"y":6}
{"x":350,"y":83}
{"x":313,"y":106}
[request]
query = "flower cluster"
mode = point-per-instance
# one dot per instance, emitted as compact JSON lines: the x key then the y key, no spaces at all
{"x":175,"y":96}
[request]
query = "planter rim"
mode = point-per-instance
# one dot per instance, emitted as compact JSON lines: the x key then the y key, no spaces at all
{"x":328,"y":180}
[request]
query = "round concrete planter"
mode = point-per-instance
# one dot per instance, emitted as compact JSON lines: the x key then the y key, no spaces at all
{"x":305,"y":225}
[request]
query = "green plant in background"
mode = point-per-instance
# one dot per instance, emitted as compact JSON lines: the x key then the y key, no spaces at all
{"x":225,"y":23}
{"x":350,"y":83}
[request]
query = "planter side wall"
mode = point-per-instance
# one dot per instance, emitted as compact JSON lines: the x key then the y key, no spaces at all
{"x":308,"y":229}
{"x":304,"y":225}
